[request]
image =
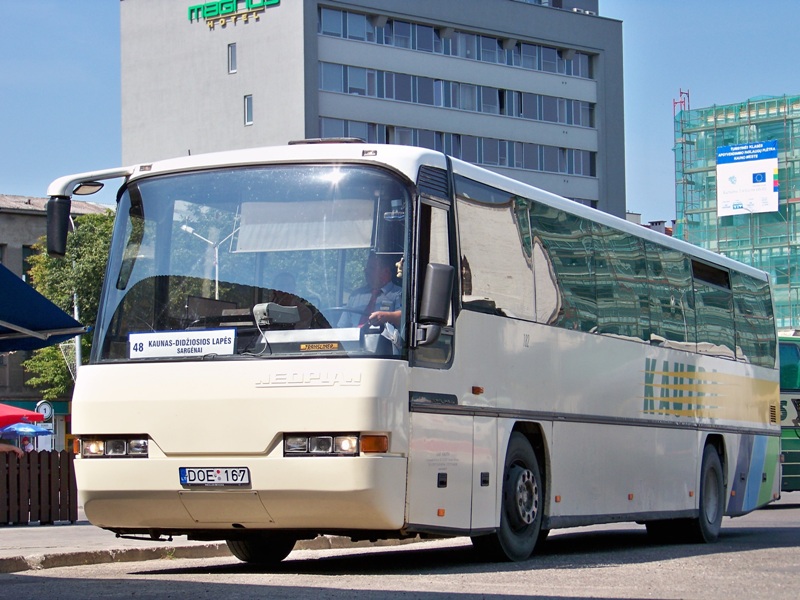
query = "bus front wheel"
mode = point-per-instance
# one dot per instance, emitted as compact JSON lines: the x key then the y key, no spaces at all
{"x":522,"y":505}
{"x":264,"y":549}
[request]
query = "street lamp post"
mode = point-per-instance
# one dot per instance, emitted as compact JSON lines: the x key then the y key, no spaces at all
{"x":215,"y":246}
{"x":76,"y":314}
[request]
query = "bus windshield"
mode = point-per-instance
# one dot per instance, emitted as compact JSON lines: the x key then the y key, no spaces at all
{"x":257,"y":262}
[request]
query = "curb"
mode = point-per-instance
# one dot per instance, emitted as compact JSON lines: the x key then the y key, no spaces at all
{"x":35,"y":562}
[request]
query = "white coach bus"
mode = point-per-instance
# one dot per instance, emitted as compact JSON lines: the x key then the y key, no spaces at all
{"x":537,"y":365}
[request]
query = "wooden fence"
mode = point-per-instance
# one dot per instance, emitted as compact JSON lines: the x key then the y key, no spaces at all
{"x":39,"y":486}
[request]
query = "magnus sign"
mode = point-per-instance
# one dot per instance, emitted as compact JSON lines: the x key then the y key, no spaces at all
{"x":224,"y":11}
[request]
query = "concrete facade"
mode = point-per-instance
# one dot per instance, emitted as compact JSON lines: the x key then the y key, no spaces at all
{"x":179,"y":96}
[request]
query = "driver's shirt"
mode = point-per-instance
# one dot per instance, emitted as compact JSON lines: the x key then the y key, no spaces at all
{"x":389,"y":299}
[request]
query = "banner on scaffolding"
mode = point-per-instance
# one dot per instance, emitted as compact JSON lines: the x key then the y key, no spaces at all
{"x":747,"y":178}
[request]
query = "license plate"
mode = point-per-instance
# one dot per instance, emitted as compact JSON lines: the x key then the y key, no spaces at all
{"x":214,"y":476}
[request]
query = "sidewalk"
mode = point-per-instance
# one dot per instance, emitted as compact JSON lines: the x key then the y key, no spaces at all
{"x":26,"y":547}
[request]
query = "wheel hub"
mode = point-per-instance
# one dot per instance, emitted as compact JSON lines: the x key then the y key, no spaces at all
{"x":525,"y":495}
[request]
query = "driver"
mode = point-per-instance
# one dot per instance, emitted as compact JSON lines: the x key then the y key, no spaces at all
{"x":377,"y":302}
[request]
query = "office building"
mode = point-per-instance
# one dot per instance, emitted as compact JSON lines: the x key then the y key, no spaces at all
{"x":737,"y":173}
{"x":532,"y":89}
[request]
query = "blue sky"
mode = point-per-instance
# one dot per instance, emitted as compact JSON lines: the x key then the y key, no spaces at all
{"x":60,"y":83}
{"x":59,"y":92}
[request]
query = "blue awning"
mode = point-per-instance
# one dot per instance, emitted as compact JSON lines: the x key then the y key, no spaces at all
{"x":28,"y":320}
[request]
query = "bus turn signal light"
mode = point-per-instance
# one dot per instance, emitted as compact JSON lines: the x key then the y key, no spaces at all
{"x":374,"y":443}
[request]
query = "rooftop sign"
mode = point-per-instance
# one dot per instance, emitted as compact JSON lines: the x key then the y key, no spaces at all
{"x":223,"y":11}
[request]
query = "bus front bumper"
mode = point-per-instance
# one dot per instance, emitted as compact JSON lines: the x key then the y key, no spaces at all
{"x":305,"y":493}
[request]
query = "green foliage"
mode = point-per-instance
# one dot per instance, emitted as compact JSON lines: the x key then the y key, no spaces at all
{"x":51,"y":374}
{"x":80,"y":273}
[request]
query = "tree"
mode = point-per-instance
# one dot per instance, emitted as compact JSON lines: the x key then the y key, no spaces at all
{"x":79,"y":274}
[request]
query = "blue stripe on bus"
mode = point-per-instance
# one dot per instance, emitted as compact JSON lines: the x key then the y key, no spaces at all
{"x":754,"y":476}
{"x":739,"y":484}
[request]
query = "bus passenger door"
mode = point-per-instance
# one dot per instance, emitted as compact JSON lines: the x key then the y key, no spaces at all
{"x":441,"y":433}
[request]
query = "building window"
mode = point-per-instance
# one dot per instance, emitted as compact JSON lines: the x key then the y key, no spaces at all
{"x":331,"y":128}
{"x":490,"y":100}
{"x":357,"y":26}
{"x":426,"y":38}
{"x":403,"y":136}
{"x":357,"y":81}
{"x":331,"y":77}
{"x":491,"y":50}
{"x":231,"y":58}
{"x":479,"y":150}
{"x":468,"y":97}
{"x":331,"y":22}
{"x":248,"y":109}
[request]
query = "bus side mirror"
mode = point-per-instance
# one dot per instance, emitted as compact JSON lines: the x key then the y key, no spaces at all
{"x":435,"y":305}
{"x":58,"y":208}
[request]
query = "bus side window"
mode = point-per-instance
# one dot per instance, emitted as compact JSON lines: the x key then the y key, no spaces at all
{"x":496,"y":268}
{"x":567,"y":241}
{"x":671,"y":298}
{"x":714,"y":304}
{"x":755,"y":325}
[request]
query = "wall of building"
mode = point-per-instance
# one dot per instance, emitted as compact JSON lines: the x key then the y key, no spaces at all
{"x":178,"y":97}
{"x":767,"y":240}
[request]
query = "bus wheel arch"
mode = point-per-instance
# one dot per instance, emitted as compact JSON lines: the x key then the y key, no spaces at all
{"x":521,"y":502}
{"x":718,"y":443}
{"x":711,"y":494}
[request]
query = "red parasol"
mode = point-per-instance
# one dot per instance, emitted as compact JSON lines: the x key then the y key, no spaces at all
{"x":11,"y":414}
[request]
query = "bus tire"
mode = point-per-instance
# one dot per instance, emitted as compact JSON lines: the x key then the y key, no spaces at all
{"x":265,"y":549}
{"x":707,"y":525}
{"x":521,"y":509}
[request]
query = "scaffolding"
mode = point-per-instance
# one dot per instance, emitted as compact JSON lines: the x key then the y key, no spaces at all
{"x":768,"y":241}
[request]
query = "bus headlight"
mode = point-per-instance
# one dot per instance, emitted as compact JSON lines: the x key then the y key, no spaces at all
{"x":92,"y":448}
{"x":301,"y":444}
{"x":116,"y":447}
{"x":137,"y":447}
{"x":295,"y":444}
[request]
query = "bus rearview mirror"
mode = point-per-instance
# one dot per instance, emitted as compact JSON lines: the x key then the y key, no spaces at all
{"x":58,"y":208}
{"x":435,"y":305}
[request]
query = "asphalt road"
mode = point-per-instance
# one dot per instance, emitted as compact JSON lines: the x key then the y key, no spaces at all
{"x":757,"y":556}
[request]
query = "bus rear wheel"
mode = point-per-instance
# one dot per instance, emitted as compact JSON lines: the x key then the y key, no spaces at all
{"x":262,"y":549}
{"x":707,"y":525}
{"x":522,"y":504}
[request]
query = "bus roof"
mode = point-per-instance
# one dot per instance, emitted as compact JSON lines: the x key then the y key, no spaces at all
{"x":404,"y":159}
